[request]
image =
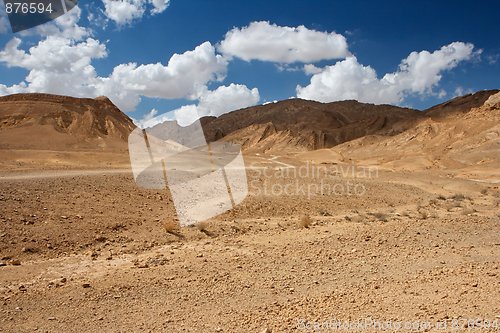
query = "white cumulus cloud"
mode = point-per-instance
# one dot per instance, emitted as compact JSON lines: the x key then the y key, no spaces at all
{"x":185,"y":76}
{"x":269,"y":42}
{"x":211,"y":103}
{"x":227,"y":98}
{"x":214,"y":103}
{"x":56,"y":65}
{"x":310,"y":69}
{"x":63,"y":66}
{"x":159,"y":6}
{"x":419,"y":73}
{"x":124,"y":12}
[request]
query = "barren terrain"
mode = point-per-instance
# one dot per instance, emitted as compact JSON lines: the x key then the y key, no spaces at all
{"x":86,"y":250}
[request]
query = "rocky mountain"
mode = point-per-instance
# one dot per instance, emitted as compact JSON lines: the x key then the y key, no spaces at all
{"x":461,"y":134}
{"x":297,"y":124}
{"x":460,"y":105}
{"x":51,"y":122}
{"x":439,"y":135}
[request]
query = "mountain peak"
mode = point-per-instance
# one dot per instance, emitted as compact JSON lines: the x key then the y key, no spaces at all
{"x":55,"y":122}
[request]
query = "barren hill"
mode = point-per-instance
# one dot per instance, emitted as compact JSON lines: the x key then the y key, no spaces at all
{"x":460,"y":105}
{"x":51,"y":122}
{"x":466,"y":137}
{"x":460,"y":133}
{"x":297,"y":124}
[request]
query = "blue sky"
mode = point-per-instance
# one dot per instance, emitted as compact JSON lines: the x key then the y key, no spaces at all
{"x":348,"y":47}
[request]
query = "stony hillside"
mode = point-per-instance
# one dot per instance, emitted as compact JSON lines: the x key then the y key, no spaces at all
{"x":298,"y":125}
{"x":51,"y":122}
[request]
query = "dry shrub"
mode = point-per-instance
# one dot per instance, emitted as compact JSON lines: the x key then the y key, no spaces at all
{"x":380,"y":216}
{"x":452,"y":205}
{"x":468,"y":211}
{"x":171,"y":226}
{"x":424,"y":215}
{"x":202,"y":226}
{"x":324,"y":213}
{"x":458,"y":197}
{"x":434,"y":202}
{"x":305,"y":221}
{"x":358,"y":218}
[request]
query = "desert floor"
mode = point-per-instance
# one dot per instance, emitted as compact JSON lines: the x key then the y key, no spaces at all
{"x":89,"y":251}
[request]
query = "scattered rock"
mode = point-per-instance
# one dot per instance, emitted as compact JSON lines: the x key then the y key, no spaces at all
{"x":86,"y":285}
{"x":101,"y":239}
{"x":28,"y":250}
{"x":15,"y":262}
{"x":57,"y":282}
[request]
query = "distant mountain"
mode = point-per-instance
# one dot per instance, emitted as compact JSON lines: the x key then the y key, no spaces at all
{"x":461,"y":134}
{"x":460,"y":105}
{"x":359,"y":130}
{"x":297,"y":124}
{"x":51,"y":122}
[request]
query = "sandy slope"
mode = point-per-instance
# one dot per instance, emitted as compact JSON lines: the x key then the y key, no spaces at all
{"x":466,"y":141}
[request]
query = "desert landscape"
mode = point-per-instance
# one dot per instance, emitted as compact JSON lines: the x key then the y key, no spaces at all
{"x":357,"y":214}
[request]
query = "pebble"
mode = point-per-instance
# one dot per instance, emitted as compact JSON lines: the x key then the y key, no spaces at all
{"x":57,"y":282}
{"x":86,"y":285}
{"x":15,"y":262}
